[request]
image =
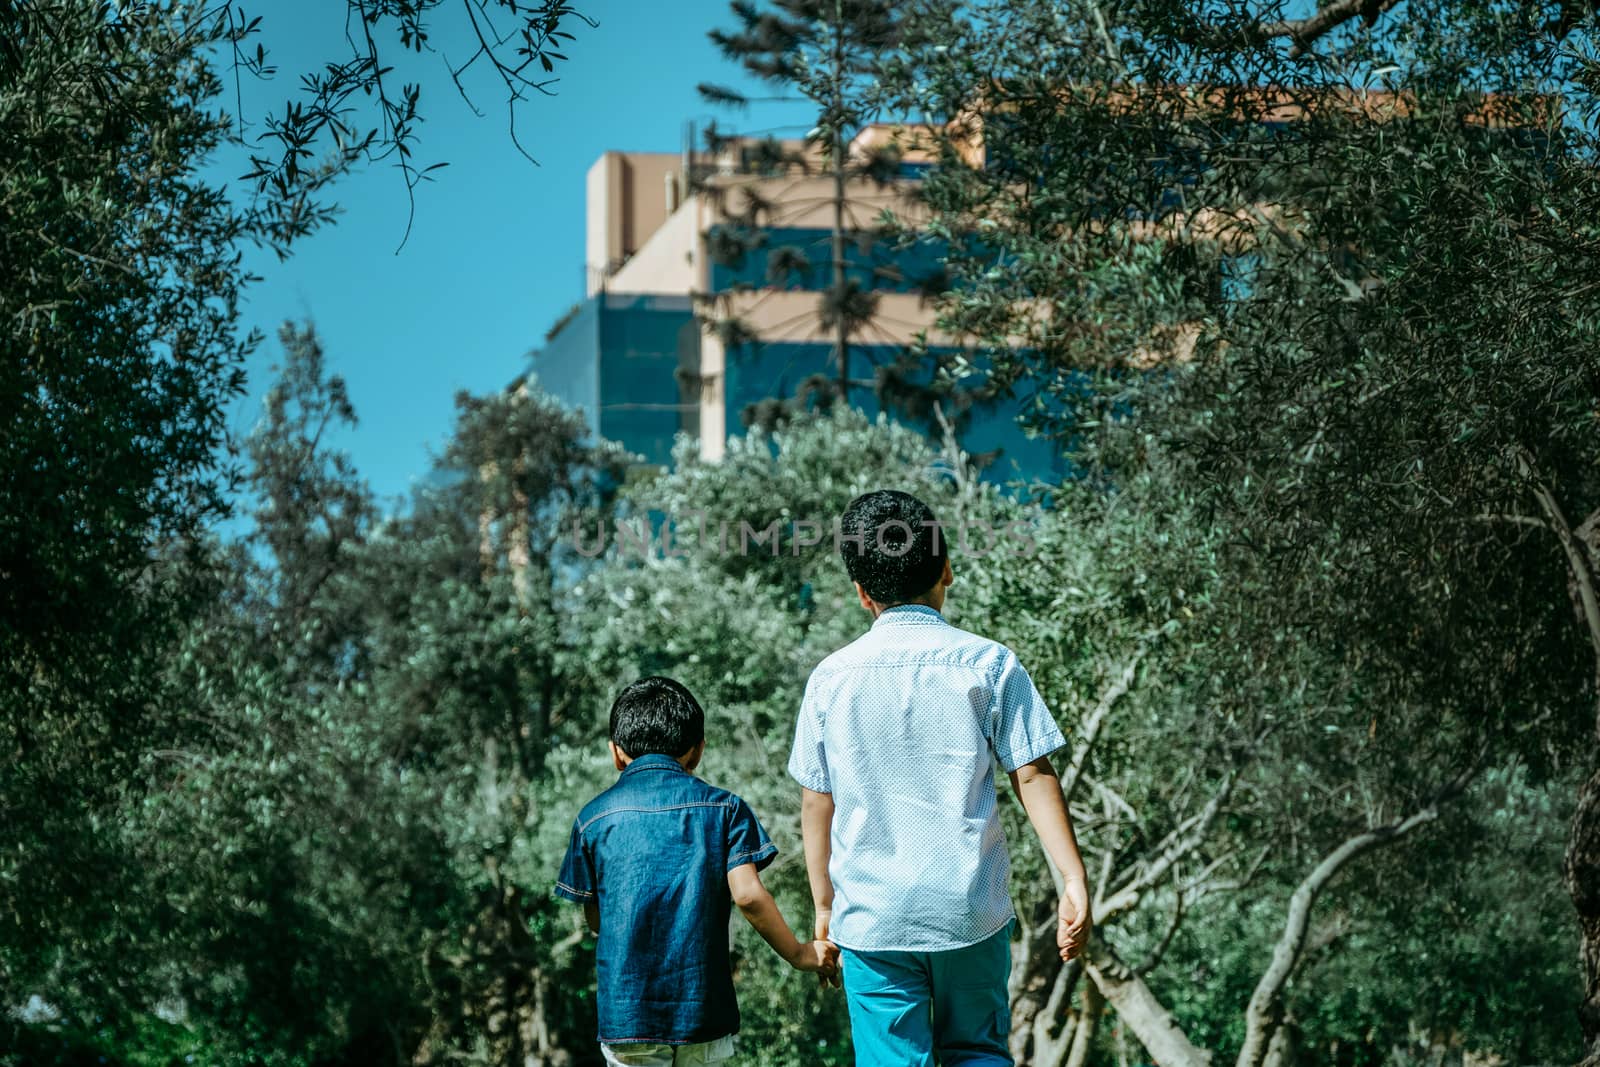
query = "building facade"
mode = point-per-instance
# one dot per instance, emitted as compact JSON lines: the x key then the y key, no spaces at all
{"x":641,"y":357}
{"x":670,"y":257}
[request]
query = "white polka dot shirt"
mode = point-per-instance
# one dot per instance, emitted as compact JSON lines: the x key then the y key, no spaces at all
{"x":903,"y":727}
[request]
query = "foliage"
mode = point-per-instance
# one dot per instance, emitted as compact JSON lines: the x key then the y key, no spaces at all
{"x":1442,"y":944}
{"x":1348,"y":328}
{"x":352,"y":111}
{"x":349,"y":860}
{"x":153,"y":1042}
{"x":305,"y":793}
{"x":829,"y":52}
{"x":317,"y":865}
{"x":1099,"y":590}
{"x":120,"y":349}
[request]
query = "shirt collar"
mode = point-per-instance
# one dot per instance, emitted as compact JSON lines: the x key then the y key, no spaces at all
{"x":915,"y":614}
{"x":654,"y":761}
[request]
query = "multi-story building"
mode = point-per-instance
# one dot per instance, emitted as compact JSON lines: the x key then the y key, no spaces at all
{"x":639,"y":355}
{"x":670,"y":254}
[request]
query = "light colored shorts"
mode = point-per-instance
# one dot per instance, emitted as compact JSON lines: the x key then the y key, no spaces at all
{"x":668,"y":1055}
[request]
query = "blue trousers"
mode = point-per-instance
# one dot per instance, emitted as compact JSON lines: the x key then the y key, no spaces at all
{"x":915,"y":1009}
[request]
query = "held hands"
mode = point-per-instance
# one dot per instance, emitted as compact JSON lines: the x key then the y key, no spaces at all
{"x":1075,"y":923}
{"x":827,"y":976}
{"x":821,"y":957}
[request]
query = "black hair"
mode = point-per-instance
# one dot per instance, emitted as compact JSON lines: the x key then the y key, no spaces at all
{"x":892,"y":546}
{"x":657,"y":715}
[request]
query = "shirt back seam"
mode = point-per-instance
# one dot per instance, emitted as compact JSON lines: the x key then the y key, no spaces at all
{"x":583,"y":827}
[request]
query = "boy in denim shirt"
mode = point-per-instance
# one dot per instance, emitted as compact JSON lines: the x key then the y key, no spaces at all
{"x":658,"y":861}
{"x":895,"y":750}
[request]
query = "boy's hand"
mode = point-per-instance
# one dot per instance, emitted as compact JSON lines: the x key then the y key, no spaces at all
{"x":1073,"y":928}
{"x":819,"y":956}
{"x":827,"y":977}
{"x":751,"y":897}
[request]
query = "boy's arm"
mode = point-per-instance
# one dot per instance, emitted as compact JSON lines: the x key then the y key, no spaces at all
{"x":591,"y":912}
{"x":744,"y":883}
{"x":1039,"y":789}
{"x":816,"y":830}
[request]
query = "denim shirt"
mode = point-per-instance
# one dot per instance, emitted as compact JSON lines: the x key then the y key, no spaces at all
{"x":904,"y":726}
{"x":654,"y":852}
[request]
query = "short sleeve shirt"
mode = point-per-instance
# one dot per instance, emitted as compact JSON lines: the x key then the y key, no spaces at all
{"x":903,"y":727}
{"x":653,"y":852}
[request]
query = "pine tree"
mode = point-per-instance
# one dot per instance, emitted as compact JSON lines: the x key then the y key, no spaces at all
{"x":839,"y":55}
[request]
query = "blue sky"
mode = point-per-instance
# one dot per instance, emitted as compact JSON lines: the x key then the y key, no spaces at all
{"x":495,"y":253}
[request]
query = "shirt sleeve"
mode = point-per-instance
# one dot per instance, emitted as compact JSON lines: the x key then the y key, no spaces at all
{"x":747,"y":840}
{"x":577,"y":881}
{"x":1024,"y":729}
{"x":808,"y":761}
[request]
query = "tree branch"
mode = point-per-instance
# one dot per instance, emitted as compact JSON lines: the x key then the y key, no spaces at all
{"x":1090,"y":730}
{"x":1184,"y":839}
{"x":1154,"y":958}
{"x":1305,"y":32}
{"x":1143,"y":1013}
{"x":1262,"y":1015}
{"x":1578,"y":561}
{"x":1088,"y":1021}
{"x":1202,"y":884}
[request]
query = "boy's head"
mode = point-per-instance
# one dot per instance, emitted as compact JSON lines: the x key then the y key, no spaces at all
{"x":657,"y":715}
{"x":894,"y":550}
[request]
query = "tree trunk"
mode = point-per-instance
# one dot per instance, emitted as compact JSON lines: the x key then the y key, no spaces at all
{"x":515,"y":1001}
{"x":1053,"y":1031}
{"x":1265,"y":1011}
{"x":540,"y":1049}
{"x":1280,"y":1050}
{"x":1041,"y":985}
{"x":1582,"y":862}
{"x":1139,"y":1009}
{"x":1094,"y":1005}
{"x":1042,"y":1030}
{"x":1036,"y":972}
{"x":1582,"y":871}
{"x":842,"y":326}
{"x":519,"y":545}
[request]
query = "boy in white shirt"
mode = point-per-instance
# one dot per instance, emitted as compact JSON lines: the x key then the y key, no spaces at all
{"x":895,"y":749}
